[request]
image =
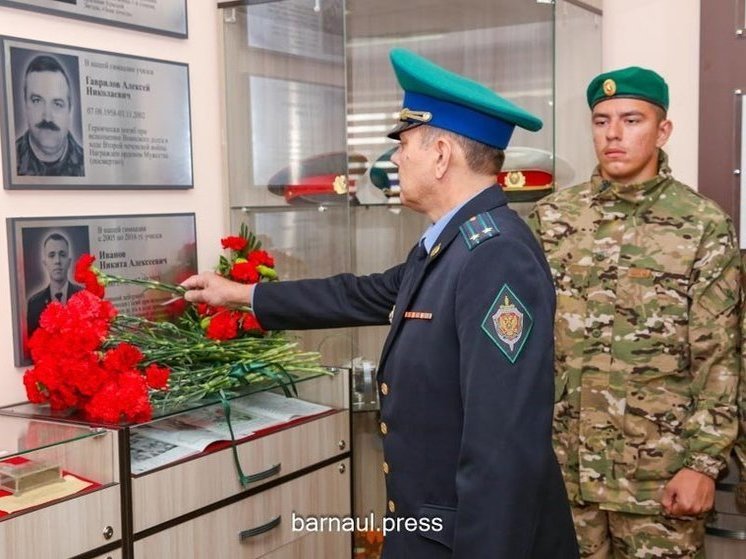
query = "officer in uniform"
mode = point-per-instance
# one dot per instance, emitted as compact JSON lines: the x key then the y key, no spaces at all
{"x":465,"y":377}
{"x":56,"y":259}
{"x":647,"y":278}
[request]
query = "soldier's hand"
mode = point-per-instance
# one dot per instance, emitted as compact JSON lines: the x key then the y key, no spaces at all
{"x":688,"y":493}
{"x":210,"y":288}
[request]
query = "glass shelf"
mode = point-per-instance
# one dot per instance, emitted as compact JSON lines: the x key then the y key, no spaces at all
{"x":20,"y":436}
{"x":161,"y":412}
{"x":72,"y":425}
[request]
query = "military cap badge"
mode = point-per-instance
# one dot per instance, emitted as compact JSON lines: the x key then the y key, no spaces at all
{"x":515,"y":179}
{"x":609,"y":87}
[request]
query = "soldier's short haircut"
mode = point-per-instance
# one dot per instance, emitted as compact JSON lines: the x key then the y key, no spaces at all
{"x":660,"y":113}
{"x":46,"y":63}
{"x":480,"y":157}
{"x":55,"y":237}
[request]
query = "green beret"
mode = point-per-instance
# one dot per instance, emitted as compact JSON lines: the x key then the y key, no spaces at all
{"x":633,"y":82}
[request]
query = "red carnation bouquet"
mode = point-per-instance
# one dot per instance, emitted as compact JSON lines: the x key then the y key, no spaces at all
{"x":115,"y":367}
{"x":246,"y":263}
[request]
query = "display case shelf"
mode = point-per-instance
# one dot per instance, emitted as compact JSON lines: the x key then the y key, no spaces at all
{"x":82,"y":484}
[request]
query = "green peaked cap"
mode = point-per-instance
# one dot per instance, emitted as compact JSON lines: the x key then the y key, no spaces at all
{"x":438,"y":97}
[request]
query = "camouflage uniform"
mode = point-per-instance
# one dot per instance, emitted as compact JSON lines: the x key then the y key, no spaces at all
{"x":646,"y":333}
{"x":71,"y":164}
{"x":741,"y":442}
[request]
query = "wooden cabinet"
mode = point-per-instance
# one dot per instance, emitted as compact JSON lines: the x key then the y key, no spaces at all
{"x":194,"y":506}
{"x":64,"y":529}
{"x":262,"y":523}
{"x":161,"y":496}
{"x":197,"y":507}
{"x":61,"y":522}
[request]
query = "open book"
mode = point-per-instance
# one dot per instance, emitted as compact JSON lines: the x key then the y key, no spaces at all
{"x":174,"y":438}
{"x":277,"y":408}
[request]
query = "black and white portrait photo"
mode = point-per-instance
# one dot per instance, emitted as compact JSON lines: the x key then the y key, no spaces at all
{"x":49,"y":256}
{"x":47,"y":110}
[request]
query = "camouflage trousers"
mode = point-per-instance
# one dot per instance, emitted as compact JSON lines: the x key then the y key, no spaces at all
{"x":606,"y":534}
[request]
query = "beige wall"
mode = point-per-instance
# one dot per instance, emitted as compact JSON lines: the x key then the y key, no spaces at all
{"x":201,"y":52}
{"x":662,"y":35}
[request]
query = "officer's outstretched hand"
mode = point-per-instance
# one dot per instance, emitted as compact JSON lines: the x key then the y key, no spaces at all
{"x":217,"y":291}
{"x":688,"y":493}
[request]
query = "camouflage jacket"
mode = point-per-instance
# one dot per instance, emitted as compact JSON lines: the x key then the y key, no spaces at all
{"x":646,"y":336}
{"x":741,"y":441}
{"x":70,"y":165}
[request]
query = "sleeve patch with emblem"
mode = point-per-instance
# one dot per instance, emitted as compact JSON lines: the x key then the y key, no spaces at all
{"x":508,"y":323}
{"x":477,"y":229}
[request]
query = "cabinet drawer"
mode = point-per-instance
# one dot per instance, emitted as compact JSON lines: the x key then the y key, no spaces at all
{"x":225,"y":533}
{"x":64,"y":529}
{"x":171,"y":492}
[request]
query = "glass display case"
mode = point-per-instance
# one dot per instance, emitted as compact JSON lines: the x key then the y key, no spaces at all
{"x":310,"y":96}
{"x":193,"y":462}
{"x":287,"y":159}
{"x":51,"y":473}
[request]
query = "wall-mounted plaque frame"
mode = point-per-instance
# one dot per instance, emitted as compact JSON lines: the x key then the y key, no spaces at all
{"x":84,"y":119}
{"x":739,"y":157}
{"x":43,"y":252}
{"x":164,"y":17}
{"x":740,"y":18}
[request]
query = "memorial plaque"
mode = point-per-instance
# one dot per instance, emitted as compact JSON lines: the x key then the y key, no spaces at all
{"x":43,"y":252}
{"x":84,"y":119}
{"x":165,"y":17}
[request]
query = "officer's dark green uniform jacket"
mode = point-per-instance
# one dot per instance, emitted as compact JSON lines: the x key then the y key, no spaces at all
{"x":466,"y":385}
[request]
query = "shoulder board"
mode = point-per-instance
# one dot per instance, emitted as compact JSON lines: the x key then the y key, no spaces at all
{"x":478,"y":229}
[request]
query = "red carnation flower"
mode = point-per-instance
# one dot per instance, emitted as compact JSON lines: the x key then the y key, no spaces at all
{"x":85,"y":275}
{"x":35,"y":390}
{"x":176,"y":308}
{"x":203,"y":309}
{"x":261,"y":257}
{"x":234,"y":243}
{"x":157,"y":376}
{"x":122,"y":358}
{"x":245,"y":272}
{"x":249,"y":323}
{"x":223,"y":326}
{"x":122,"y":399}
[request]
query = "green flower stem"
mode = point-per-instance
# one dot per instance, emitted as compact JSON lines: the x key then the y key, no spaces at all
{"x":200,"y":366}
{"x":147,"y":284}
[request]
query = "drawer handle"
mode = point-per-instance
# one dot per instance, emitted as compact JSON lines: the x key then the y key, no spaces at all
{"x":243,"y":479}
{"x":269,"y":472}
{"x":251,"y":532}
